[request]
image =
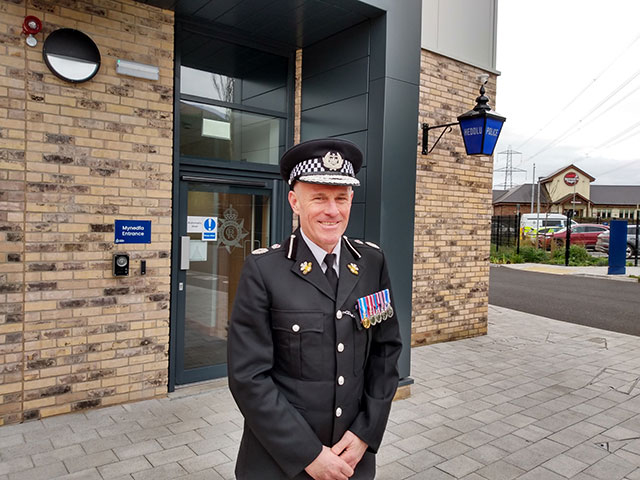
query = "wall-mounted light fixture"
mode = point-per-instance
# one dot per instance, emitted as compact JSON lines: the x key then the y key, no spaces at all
{"x":480,"y":128}
{"x":71,"y":55}
{"x":135,"y":69}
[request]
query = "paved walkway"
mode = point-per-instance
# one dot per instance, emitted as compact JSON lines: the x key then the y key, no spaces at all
{"x":534,"y":399}
{"x":600,"y":272}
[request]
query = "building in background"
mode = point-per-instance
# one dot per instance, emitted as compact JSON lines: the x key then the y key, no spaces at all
{"x":571,"y":188}
{"x":171,"y":163}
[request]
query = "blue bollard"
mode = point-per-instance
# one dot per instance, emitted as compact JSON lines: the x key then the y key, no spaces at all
{"x":618,"y":247}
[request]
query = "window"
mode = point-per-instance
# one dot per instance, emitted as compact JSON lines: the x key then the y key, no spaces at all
{"x":233,"y":101}
{"x":213,"y":132}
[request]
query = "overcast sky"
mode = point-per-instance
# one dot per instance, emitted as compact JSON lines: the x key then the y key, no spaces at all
{"x":570,"y":88}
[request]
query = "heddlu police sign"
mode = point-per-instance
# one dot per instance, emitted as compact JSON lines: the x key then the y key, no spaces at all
{"x":133,"y":231}
{"x":481,"y":127}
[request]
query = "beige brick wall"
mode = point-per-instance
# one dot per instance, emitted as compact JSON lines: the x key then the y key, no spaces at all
{"x":73,"y":158}
{"x":453,"y":211}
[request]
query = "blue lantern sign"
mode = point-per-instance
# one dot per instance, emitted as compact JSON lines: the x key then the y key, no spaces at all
{"x":480,"y":128}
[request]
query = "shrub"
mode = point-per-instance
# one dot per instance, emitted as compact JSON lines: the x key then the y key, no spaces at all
{"x":533,"y":255}
{"x":578,"y":256}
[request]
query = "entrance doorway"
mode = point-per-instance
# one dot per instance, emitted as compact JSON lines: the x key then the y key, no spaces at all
{"x":220,"y":225}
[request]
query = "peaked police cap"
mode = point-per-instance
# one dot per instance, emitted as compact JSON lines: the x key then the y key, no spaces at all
{"x":328,"y":161}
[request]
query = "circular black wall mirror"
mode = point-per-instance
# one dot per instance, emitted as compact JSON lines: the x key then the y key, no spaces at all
{"x":71,"y":55}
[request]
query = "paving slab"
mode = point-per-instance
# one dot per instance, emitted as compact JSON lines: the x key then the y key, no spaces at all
{"x":534,"y":399}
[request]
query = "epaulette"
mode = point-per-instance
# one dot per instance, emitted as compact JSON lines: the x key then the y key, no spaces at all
{"x":361,"y":243}
{"x":263,"y":250}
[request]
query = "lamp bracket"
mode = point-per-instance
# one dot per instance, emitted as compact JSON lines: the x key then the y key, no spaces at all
{"x":425,"y":135}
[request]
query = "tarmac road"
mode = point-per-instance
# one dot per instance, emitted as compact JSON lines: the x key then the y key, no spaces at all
{"x":602,"y":303}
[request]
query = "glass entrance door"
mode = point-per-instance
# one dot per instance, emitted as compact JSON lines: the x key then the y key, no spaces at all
{"x":220,"y":224}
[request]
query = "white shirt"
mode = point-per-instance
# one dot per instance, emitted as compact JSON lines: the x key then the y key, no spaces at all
{"x":319,"y":254}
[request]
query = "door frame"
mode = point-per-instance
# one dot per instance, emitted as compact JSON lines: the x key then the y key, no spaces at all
{"x":241,"y":186}
{"x":280,"y":223}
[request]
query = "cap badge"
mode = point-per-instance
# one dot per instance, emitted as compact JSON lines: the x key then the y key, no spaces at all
{"x":353,"y":268}
{"x":260,"y":251}
{"x":305,"y":267}
{"x":332,"y":161}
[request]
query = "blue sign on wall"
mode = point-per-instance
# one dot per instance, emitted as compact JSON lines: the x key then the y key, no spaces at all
{"x":210,"y":226}
{"x":133,"y":231}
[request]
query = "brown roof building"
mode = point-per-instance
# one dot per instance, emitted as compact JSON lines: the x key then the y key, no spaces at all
{"x":570,"y":188}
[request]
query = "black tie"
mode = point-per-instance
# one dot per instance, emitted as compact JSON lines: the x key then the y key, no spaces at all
{"x":329,"y":260}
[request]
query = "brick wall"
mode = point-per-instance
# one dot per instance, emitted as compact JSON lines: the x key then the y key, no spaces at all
{"x":453,"y":211}
{"x":73,"y":158}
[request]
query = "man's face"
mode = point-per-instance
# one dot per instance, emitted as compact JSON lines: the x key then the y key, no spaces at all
{"x":323,"y":211}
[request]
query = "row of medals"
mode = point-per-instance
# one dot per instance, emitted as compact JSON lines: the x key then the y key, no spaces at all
{"x":377,"y":317}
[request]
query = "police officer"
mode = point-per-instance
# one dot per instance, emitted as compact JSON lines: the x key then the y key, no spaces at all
{"x":313,"y":337}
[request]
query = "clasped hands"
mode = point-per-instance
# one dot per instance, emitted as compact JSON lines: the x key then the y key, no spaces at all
{"x":339,"y":461}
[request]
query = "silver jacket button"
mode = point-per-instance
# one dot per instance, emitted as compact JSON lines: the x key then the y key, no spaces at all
{"x":296,"y":328}
{"x":340,"y":380}
{"x":338,"y":314}
{"x":338,"y":412}
{"x":340,"y":347}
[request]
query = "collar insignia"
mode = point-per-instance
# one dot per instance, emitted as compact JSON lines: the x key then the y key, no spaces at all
{"x":353,"y":268}
{"x":305,"y":267}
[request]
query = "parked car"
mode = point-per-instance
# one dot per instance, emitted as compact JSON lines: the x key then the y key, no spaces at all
{"x":602,"y":244}
{"x":585,"y":234}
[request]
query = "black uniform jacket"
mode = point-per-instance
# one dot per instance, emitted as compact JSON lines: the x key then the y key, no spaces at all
{"x":302,"y":368}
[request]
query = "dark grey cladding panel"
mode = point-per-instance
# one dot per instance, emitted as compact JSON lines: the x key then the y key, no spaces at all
{"x":360,"y":194}
{"x":231,"y":12}
{"x":335,"y":119}
{"x":306,"y":29}
{"x":399,"y":158}
{"x":191,"y":7}
{"x":340,"y":49}
{"x":273,"y":100}
{"x":204,"y":9}
{"x":397,"y":205}
{"x":270,"y":75}
{"x":360,"y":139}
{"x":336,"y":84}
{"x":399,"y":38}
{"x":375,"y":144}
{"x":356,"y":221}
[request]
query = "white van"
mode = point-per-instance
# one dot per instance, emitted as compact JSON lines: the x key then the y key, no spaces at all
{"x":529,"y":226}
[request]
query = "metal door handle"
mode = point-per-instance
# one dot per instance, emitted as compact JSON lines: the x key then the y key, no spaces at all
{"x":184,"y":252}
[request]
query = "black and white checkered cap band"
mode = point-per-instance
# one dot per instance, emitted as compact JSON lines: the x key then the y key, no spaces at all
{"x":314,"y":168}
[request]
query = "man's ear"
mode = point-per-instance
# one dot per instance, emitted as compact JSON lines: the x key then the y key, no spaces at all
{"x":293,"y":201}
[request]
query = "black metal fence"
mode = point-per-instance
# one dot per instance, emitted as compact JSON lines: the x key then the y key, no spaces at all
{"x":505,"y":231}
